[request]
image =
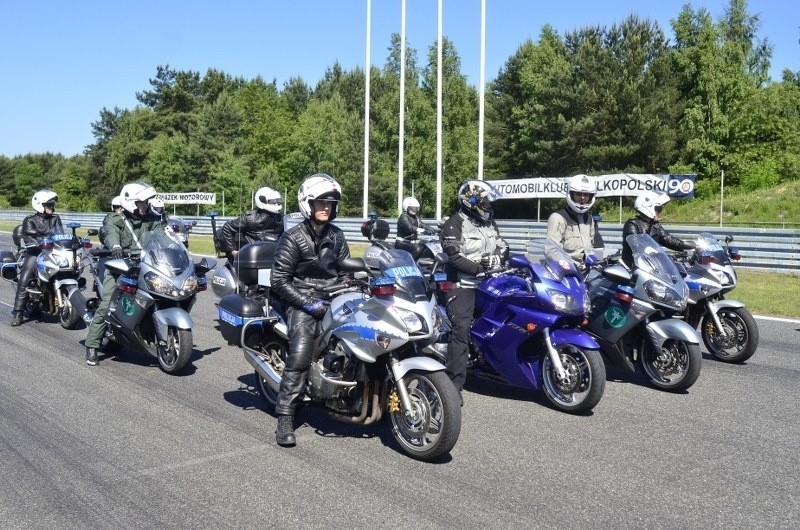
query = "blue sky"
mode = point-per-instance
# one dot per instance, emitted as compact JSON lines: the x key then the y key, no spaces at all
{"x":62,"y":62}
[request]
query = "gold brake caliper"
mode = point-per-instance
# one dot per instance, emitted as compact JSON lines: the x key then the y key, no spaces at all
{"x":394,"y":402}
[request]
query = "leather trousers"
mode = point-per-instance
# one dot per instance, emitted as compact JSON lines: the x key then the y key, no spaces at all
{"x":302,"y":329}
{"x":26,"y":274}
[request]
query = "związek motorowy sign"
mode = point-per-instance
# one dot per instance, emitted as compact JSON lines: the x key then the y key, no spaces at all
{"x":195,"y":197}
{"x":607,"y":186}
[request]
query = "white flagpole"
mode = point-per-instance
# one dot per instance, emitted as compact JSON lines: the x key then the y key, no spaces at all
{"x":402,"y":107}
{"x":439,"y":115}
{"x":482,"y":89}
{"x":367,"y":70}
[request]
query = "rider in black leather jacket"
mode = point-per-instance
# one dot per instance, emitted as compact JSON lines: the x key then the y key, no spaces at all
{"x":41,"y":224}
{"x":409,"y":226}
{"x":307,"y":258}
{"x":648,"y":206}
{"x":254,"y":225}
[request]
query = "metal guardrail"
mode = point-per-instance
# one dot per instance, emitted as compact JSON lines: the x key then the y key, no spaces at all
{"x":764,"y":249}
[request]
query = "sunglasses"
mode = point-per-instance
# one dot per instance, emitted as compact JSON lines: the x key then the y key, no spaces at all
{"x":49,"y":204}
{"x":659,"y":209}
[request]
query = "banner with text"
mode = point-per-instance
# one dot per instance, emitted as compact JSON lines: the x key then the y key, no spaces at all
{"x":196,"y":197}
{"x":607,"y":186}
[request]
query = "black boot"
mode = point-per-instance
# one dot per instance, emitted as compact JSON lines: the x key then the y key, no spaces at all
{"x":284,"y":435}
{"x":91,"y":356}
{"x":17,"y":319}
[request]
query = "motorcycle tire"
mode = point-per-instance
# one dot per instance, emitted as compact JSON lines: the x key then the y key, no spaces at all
{"x":435,"y":423}
{"x":176,"y":354}
{"x":68,"y":316}
{"x":674,"y":369}
{"x":585,"y":382}
{"x":740,"y":340}
{"x":274,"y":352}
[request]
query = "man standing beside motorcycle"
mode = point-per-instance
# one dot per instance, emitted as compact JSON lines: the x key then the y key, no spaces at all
{"x":473,"y":246}
{"x":573,"y":227}
{"x":123,"y":230}
{"x":648,"y":206}
{"x":254,"y":225}
{"x":41,"y":224}
{"x":409,"y":226}
{"x":308,"y":254}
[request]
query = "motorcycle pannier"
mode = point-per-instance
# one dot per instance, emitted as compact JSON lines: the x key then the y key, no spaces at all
{"x":251,"y":258}
{"x":234,"y":310}
{"x":9,"y":263}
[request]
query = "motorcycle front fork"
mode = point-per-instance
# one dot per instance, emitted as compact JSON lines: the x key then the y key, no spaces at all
{"x":553,"y":354}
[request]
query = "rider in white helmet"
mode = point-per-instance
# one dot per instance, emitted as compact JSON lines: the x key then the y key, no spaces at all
{"x":307,"y":258}
{"x":123,"y":231}
{"x":34,"y":227}
{"x":265,"y":222}
{"x":573,"y":226}
{"x":409,"y":225}
{"x":648,"y":206}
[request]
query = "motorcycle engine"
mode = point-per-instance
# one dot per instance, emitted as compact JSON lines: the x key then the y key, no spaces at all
{"x":331,"y":378}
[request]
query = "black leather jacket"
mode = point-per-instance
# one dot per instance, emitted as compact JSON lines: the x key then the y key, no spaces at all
{"x":407,"y":227}
{"x":640,"y":225}
{"x":37,"y":226}
{"x":253,"y":225}
{"x":303,"y":258}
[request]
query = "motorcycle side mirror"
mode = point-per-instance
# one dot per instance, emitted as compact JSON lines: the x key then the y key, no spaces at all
{"x":617,"y":273}
{"x":353,"y":265}
{"x":92,"y":232}
{"x":728,"y":238}
{"x":441,"y":258}
{"x":204,"y":265}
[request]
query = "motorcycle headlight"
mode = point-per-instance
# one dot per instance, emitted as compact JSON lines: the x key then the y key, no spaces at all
{"x":565,"y":303}
{"x":412,"y":321}
{"x":190,"y":285}
{"x":159,"y":284}
{"x":587,"y":303}
{"x":61,"y":261}
{"x":666,"y":295}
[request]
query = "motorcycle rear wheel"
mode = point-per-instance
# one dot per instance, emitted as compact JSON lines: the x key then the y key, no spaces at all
{"x":274,"y":352}
{"x":67,"y":314}
{"x":585,"y":382}
{"x":433,"y":427}
{"x":177,"y":353}
{"x":674,"y":369}
{"x":740,"y":339}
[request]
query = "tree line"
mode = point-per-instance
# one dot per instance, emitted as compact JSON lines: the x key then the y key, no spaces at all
{"x":595,"y":100}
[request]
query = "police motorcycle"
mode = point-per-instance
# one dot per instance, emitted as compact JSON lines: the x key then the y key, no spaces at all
{"x":59,"y":269}
{"x":727,"y":328}
{"x":632,"y":313}
{"x":369,"y":358}
{"x":156,"y":289}
{"x":181,"y":228}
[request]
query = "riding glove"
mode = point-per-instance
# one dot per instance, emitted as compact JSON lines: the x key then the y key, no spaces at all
{"x":316,"y":309}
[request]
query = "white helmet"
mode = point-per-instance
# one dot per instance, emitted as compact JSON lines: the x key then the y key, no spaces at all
{"x":581,"y":184}
{"x":318,"y":187}
{"x":649,"y":203}
{"x":135,"y":191}
{"x":42,"y":197}
{"x":157,"y":205}
{"x":411,"y":202}
{"x":116,"y":202}
{"x":268,"y":200}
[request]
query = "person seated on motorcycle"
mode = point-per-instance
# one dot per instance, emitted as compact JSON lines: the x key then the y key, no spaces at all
{"x":573,"y":226}
{"x":116,"y":207}
{"x":473,"y":246}
{"x":648,"y":206}
{"x":157,"y":208}
{"x":124,"y":230}
{"x":41,"y":224}
{"x":308,"y":253}
{"x":266,"y":221}
{"x":409,"y":226}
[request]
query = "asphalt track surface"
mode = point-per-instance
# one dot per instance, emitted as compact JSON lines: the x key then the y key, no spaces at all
{"x":124,"y":445}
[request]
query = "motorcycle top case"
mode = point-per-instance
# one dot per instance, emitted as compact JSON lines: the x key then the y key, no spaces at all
{"x":234,"y":311}
{"x":9,"y":264}
{"x":251,"y":258}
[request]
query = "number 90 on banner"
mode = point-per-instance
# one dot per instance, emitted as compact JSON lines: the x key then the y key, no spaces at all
{"x":681,"y":186}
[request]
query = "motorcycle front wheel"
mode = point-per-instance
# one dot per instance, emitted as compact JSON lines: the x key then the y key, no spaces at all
{"x":67,"y":314}
{"x":738,"y":341}
{"x":176,"y":353}
{"x":432,"y":426}
{"x":584,"y":383}
{"x":676,"y":367}
{"x":274,"y":352}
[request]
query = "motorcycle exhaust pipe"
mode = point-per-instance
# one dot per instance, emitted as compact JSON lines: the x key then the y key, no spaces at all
{"x":264,"y":370}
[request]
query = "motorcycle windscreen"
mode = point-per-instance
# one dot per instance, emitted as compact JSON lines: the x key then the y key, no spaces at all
{"x":648,"y":256}
{"x":553,"y":257}
{"x":409,"y":281}
{"x":165,"y":252}
{"x":707,"y":245}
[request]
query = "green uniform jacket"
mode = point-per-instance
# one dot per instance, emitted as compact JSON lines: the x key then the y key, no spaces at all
{"x":118,"y":234}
